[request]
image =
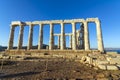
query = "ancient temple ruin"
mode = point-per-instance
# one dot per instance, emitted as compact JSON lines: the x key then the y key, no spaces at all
{"x":79,"y":39}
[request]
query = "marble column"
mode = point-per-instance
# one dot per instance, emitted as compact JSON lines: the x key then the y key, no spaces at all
{"x":58,"y":41}
{"x":86,"y":36}
{"x":70,"y":37}
{"x":82,"y":44}
{"x":20,"y":40}
{"x":40,"y":44}
{"x":99,"y":36}
{"x":51,"y":42}
{"x":11,"y":38}
{"x":30,"y":38}
{"x":78,"y":37}
{"x":74,"y":36}
{"x":64,"y":41}
{"x":62,"y":37}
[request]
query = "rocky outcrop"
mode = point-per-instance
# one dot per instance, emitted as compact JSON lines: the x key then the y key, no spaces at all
{"x":109,"y":61}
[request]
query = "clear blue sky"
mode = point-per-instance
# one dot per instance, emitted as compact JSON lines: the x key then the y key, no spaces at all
{"x":108,"y":11}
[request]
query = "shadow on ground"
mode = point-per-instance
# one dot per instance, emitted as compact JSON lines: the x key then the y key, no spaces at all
{"x":17,"y":75}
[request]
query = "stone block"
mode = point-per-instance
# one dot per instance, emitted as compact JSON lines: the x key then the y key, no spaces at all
{"x":111,"y":53}
{"x":86,"y":59}
{"x":102,"y":62}
{"x":1,"y":56}
{"x":108,"y":58}
{"x":100,"y":75}
{"x":112,"y":67}
{"x":115,"y":60}
{"x":101,"y":66}
{"x":103,"y":79}
{"x":118,"y":66}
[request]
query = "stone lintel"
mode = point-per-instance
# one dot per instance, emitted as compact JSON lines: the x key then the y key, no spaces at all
{"x":17,"y":23}
{"x":28,"y":23}
{"x":74,"y":20}
{"x":48,"y":22}
{"x":66,"y":34}
{"x":92,"y":19}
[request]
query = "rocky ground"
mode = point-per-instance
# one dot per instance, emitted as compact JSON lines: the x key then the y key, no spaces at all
{"x":52,"y":69}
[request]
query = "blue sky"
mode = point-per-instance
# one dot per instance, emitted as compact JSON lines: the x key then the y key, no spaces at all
{"x":108,"y":11}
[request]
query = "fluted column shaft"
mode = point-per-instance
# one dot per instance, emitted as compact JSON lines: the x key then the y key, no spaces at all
{"x":99,"y":36}
{"x":86,"y":36}
{"x":58,"y":41}
{"x":64,"y":41}
{"x":11,"y":38}
{"x":62,"y":36}
{"x":40,"y":44}
{"x":20,"y":40}
{"x":51,"y":42}
{"x":83,"y":42}
{"x":70,"y":41}
{"x":78,"y":38}
{"x":74,"y":36}
{"x":30,"y":38}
